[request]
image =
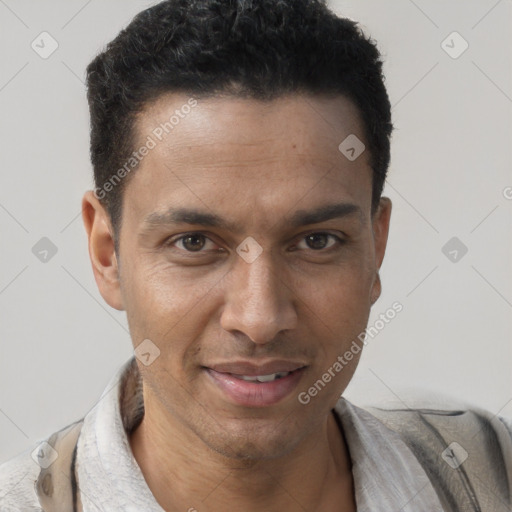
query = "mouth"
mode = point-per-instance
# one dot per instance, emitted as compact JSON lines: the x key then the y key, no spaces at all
{"x":252,"y":386}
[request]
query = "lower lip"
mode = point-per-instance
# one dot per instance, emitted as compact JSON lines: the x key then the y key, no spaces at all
{"x":255,"y":394}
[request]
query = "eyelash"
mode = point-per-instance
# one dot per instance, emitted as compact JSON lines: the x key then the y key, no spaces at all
{"x":171,"y":241}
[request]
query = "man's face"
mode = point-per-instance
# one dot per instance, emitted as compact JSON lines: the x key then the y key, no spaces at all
{"x":215,"y":306}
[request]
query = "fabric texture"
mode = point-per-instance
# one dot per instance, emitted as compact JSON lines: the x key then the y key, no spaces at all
{"x":403,"y":460}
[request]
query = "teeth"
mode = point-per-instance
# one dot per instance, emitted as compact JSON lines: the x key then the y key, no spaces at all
{"x":267,"y":378}
{"x":264,"y":378}
{"x":244,"y":377}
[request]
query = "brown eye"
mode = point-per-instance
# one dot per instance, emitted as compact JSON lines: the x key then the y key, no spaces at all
{"x":192,"y":243}
{"x":319,"y":241}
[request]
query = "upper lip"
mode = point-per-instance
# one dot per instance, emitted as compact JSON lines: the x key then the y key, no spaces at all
{"x":252,"y":369}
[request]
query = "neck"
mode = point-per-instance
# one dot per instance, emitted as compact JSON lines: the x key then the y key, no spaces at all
{"x":183,"y":473}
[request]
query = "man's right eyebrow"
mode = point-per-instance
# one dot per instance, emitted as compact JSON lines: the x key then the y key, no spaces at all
{"x":189,"y":216}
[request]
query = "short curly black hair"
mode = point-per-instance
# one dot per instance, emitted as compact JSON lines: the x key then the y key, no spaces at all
{"x":259,"y":49}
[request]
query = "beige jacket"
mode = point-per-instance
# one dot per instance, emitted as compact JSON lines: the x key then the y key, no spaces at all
{"x":409,"y":460}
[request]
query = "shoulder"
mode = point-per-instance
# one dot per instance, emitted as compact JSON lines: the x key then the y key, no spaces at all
{"x":40,"y":474}
{"x":470,"y":424}
{"x":17,"y":483}
{"x":421,"y":412}
{"x":465,"y":450}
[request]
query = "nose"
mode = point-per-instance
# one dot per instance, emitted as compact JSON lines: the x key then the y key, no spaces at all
{"x":258,"y":301}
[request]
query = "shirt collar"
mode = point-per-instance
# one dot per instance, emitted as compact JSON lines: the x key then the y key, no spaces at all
{"x":108,"y":474}
{"x":386,"y":474}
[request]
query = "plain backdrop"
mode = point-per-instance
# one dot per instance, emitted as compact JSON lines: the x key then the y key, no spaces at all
{"x":450,"y":178}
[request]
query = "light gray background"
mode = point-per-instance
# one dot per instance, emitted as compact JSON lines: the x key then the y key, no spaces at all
{"x":451,"y":166}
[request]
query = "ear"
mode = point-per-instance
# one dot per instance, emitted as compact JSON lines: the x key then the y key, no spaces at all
{"x":380,"y":226}
{"x":102,"y":250}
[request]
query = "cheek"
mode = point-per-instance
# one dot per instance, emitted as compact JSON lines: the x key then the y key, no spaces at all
{"x":339,"y":292}
{"x":339,"y":302}
{"x":341,"y":318}
{"x":163,"y":304}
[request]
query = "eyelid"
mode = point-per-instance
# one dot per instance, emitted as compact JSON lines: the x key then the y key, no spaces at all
{"x":323,"y":232}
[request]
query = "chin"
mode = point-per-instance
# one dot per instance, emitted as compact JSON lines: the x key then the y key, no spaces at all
{"x":246,"y":450}
{"x":253,"y":444}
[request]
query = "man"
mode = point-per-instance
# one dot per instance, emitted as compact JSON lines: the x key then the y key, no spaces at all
{"x":240,"y":150}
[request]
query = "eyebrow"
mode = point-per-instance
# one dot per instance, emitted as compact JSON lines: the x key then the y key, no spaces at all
{"x":298,"y":219}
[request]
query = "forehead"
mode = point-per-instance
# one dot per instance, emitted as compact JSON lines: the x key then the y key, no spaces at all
{"x":223,"y":152}
{"x":303,"y":119}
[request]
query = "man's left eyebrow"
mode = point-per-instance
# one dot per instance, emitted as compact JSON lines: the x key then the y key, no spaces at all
{"x":298,"y":219}
{"x":325,"y":213}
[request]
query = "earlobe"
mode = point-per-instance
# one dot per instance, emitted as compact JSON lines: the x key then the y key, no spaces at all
{"x":102,"y":250}
{"x":376,"y":289}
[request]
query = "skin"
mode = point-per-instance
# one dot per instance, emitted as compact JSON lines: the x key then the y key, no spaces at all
{"x":254,"y":164}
